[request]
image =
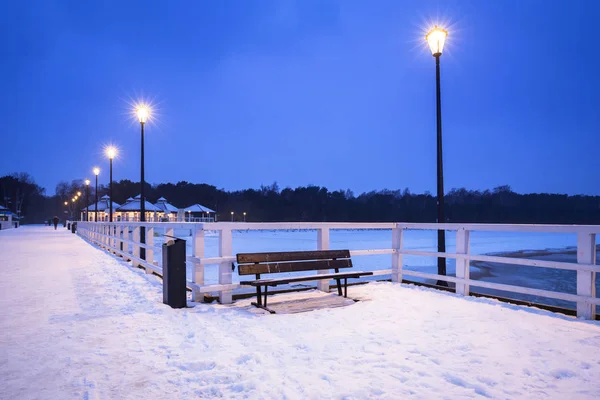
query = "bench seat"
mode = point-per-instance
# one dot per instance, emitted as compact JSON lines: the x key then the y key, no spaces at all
{"x":293,"y":279}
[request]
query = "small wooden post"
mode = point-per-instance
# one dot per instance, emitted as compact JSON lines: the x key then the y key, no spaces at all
{"x":197,"y":268}
{"x":136,"y":249}
{"x":586,"y":254}
{"x":397,"y":237}
{"x":323,"y":244}
{"x":225,"y":276}
{"x":462,"y":265}
{"x":150,"y":250}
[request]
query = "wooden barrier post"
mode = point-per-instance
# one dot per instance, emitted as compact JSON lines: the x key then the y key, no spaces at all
{"x":397,"y":237}
{"x":136,"y":248}
{"x":323,"y":244}
{"x":586,"y":280}
{"x":149,"y":250}
{"x":197,"y":268}
{"x":225,"y":276}
{"x":463,"y":265}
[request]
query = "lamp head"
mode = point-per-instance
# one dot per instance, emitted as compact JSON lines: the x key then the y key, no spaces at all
{"x":142,"y":113}
{"x":111,"y":152}
{"x":87,"y":182}
{"x":436,"y":39}
{"x":96,"y":171}
{"x":66,"y":203}
{"x":78,"y":194}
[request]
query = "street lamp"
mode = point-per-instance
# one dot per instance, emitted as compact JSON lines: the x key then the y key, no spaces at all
{"x":436,"y":39}
{"x":142,"y":113}
{"x":87,"y":200}
{"x":96,"y":172}
{"x":111,"y":153}
{"x":232,"y":216}
{"x":244,"y":216}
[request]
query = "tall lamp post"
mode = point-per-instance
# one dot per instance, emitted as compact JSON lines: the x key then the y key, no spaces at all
{"x":78,"y":204}
{"x":111,"y":152}
{"x":96,"y":172}
{"x":87,"y":200}
{"x":436,"y":38}
{"x":142,"y":114}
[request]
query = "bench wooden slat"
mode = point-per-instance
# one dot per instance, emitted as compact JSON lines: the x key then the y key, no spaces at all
{"x":278,"y":267}
{"x":243,"y":258}
{"x":283,"y":281}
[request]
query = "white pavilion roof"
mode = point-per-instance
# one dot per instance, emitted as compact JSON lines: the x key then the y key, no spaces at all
{"x":198,"y":208}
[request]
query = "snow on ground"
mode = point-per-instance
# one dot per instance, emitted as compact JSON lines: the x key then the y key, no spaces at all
{"x":76,"y":323}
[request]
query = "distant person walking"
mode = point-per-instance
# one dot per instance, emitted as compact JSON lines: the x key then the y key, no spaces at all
{"x":55,"y":221}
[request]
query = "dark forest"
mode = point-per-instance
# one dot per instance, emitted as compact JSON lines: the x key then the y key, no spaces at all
{"x":22,"y":195}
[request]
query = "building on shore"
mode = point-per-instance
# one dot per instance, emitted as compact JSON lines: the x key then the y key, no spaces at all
{"x":168,"y":212}
{"x":7,"y":219}
{"x":199,"y":213}
{"x":103,"y":208}
{"x":131,"y":210}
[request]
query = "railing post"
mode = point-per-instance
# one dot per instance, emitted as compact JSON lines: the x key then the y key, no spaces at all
{"x":197,"y":268}
{"x":150,"y":250}
{"x":323,"y":244}
{"x":586,"y":254}
{"x":225,"y":250}
{"x":463,"y":265}
{"x":136,"y":249}
{"x":397,"y":237}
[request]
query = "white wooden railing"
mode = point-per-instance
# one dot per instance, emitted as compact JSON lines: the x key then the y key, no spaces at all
{"x":123,"y":238}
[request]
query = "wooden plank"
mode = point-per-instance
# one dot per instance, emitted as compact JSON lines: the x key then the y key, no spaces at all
{"x":284,"y":281}
{"x":243,"y":258}
{"x":275,"y":268}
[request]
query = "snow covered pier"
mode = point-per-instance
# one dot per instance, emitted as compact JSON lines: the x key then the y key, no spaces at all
{"x":77,"y":322}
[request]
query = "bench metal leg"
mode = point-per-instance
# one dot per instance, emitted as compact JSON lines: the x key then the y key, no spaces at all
{"x":339,"y":286}
{"x":259,"y":303}
{"x":258,"y":296}
{"x":345,"y":287}
{"x":266,"y":289}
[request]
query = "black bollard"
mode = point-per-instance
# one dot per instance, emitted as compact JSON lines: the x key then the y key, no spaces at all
{"x":73,"y":227}
{"x":173,"y":269}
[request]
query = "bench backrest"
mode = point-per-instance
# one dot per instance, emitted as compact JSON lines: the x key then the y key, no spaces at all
{"x":292,"y":261}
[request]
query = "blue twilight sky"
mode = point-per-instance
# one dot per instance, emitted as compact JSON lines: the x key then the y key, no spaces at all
{"x":333,"y":93}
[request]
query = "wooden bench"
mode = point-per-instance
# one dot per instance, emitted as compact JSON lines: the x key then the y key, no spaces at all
{"x":295,"y":261}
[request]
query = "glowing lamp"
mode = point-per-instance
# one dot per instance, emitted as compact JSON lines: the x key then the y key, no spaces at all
{"x":111,"y":152}
{"x":142,"y":113}
{"x":87,"y":182}
{"x":436,"y":38}
{"x":96,"y":171}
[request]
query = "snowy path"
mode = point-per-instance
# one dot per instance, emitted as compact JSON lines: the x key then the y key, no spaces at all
{"x":76,"y":323}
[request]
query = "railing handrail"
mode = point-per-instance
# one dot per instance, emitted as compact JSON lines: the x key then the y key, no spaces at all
{"x":105,"y":234}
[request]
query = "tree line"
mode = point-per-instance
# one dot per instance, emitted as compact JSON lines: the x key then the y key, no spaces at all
{"x":269,"y":203}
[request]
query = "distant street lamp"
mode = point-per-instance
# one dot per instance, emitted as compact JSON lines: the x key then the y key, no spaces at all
{"x":111,"y":152}
{"x":87,"y":200}
{"x":142,"y":114}
{"x":232,"y":216}
{"x":244,"y":216}
{"x":96,"y":172}
{"x":436,"y":38}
